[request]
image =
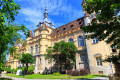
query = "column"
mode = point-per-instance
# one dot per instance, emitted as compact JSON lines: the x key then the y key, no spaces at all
{"x":36,"y":61}
{"x":77,"y":62}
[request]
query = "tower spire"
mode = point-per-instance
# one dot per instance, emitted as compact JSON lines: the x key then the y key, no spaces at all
{"x":45,"y":14}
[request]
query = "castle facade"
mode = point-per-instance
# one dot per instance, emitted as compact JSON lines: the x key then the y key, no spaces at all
{"x":90,"y":53}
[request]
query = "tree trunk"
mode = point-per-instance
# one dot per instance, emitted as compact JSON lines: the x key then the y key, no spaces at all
{"x":117,"y":71}
{"x":26,"y":67}
{"x":60,"y":68}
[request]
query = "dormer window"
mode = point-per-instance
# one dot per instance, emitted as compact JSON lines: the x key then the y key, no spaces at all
{"x":79,"y":22}
{"x":57,"y":31}
{"x":71,"y":26}
{"x":64,"y":29}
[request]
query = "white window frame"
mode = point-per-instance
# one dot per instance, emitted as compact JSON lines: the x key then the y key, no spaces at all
{"x":99,"y":61}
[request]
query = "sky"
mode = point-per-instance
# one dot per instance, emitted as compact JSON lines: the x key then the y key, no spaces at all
{"x":60,"y":12}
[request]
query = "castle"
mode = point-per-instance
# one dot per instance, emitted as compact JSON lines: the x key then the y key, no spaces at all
{"x":90,"y":53}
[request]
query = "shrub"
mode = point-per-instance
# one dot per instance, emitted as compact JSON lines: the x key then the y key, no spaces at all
{"x":56,"y":73}
{"x":23,"y":69}
{"x":84,"y":72}
{"x":69,"y":72}
{"x":31,"y":69}
{"x":77,"y":73}
{"x":8,"y":69}
{"x":12,"y":70}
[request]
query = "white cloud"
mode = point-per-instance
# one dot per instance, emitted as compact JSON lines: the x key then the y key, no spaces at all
{"x":35,"y":9}
{"x":32,"y":11}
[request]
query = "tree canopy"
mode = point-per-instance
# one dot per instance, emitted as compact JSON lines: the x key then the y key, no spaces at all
{"x":62,"y":53}
{"x":27,"y":59}
{"x":8,"y":30}
{"x":107,"y":26}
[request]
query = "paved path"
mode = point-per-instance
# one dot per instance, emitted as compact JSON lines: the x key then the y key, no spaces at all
{"x":98,"y":78}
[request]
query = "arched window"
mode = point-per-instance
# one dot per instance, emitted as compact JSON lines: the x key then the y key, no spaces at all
{"x":31,"y":51}
{"x":80,"y":41}
{"x":71,"y":40}
{"x":95,"y":40}
{"x":98,"y":57}
{"x":36,"y":49}
{"x":99,"y":61}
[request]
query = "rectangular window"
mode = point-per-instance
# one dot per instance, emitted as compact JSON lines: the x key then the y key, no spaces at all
{"x":99,"y":61}
{"x":83,"y":58}
{"x":95,"y":40}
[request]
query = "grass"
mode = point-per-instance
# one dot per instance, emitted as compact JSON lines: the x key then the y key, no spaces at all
{"x":51,"y":76}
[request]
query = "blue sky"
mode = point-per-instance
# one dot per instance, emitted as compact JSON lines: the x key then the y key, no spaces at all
{"x":60,"y":12}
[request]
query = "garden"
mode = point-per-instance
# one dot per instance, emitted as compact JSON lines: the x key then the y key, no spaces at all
{"x":82,"y":74}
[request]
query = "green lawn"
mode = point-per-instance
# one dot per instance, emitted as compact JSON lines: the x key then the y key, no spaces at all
{"x":51,"y":76}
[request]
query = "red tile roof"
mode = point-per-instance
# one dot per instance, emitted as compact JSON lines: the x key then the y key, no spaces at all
{"x":6,"y":64}
{"x":67,"y":28}
{"x":31,"y":34}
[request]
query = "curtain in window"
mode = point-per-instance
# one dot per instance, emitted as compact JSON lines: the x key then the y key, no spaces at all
{"x":80,"y":41}
{"x":36,"y":49}
{"x":95,"y":40}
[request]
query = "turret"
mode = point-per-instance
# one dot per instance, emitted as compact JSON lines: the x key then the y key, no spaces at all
{"x":46,"y":20}
{"x":87,"y":17}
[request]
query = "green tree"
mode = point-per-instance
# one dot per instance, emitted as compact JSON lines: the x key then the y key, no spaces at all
{"x":27,"y":59}
{"x":8,"y":30}
{"x":3,"y":61}
{"x":109,"y":27}
{"x":8,"y":69}
{"x":62,"y":53}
